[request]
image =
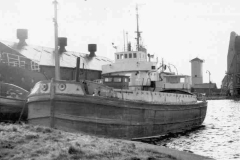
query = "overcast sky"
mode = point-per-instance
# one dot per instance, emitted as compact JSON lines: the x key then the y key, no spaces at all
{"x":175,"y":30}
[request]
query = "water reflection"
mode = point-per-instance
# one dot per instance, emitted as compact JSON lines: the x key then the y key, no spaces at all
{"x":218,"y":138}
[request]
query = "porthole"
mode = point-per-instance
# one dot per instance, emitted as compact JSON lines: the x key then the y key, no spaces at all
{"x":44,"y":86}
{"x":62,"y":86}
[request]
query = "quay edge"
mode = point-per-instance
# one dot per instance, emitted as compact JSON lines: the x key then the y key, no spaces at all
{"x":179,"y":155}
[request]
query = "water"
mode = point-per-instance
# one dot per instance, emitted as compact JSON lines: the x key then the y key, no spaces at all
{"x":219,"y":138}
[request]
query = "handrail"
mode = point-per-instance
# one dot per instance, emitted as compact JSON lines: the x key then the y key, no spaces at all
{"x":18,"y":61}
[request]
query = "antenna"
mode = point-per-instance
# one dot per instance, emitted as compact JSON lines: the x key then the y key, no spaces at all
{"x":127,"y":40}
{"x":138,"y":33}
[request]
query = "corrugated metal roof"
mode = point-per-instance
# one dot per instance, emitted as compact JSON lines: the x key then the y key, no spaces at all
{"x":44,"y":56}
{"x":205,"y":85}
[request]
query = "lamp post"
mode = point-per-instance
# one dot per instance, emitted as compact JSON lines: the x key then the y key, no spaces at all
{"x":209,"y":82}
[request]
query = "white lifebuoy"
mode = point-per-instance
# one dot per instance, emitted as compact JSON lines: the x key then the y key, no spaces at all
{"x":62,"y":86}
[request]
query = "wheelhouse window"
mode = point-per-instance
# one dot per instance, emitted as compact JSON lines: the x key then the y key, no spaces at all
{"x":125,"y":79}
{"x":125,"y":56}
{"x":107,"y":79}
{"x":134,"y":55}
{"x":130,"y":55}
{"x":117,"y":79}
{"x":121,"y":56}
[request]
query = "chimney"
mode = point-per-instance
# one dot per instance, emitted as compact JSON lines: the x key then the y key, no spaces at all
{"x":22,"y":35}
{"x":92,"y":48}
{"x":62,"y":42}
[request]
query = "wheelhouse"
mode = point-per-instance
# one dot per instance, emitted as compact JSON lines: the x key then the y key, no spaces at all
{"x":116,"y":81}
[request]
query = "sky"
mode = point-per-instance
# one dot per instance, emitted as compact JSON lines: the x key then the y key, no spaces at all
{"x":175,"y":31}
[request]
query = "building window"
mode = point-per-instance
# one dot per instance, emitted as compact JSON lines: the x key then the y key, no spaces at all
{"x":153,"y":67}
{"x":130,"y":55}
{"x":117,"y":56}
{"x":125,"y":56}
{"x":195,"y":75}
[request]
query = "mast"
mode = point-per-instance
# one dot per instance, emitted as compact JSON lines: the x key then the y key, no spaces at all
{"x":138,"y":32}
{"x":127,"y":40}
{"x":162,"y":65}
{"x":124,"y":40}
{"x":57,"y":61}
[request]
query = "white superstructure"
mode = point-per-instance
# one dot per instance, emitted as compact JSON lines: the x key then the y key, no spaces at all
{"x":144,"y":73}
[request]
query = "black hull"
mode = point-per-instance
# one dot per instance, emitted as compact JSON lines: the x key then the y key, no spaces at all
{"x":113,"y":117}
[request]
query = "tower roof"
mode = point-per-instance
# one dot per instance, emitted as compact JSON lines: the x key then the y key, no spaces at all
{"x":197,"y":59}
